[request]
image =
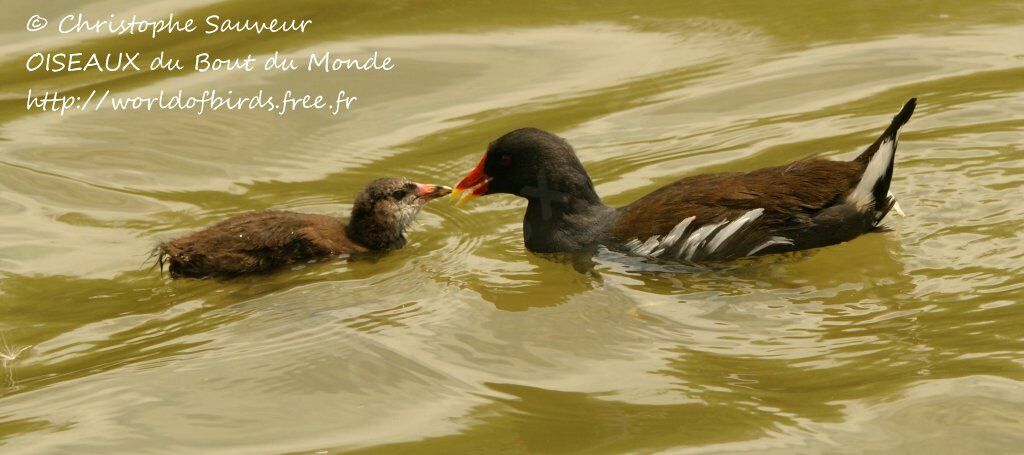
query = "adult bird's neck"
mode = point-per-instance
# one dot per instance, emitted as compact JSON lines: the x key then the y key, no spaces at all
{"x":558,"y":221}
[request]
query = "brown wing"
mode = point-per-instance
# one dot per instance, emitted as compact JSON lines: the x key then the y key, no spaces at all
{"x":799,"y":189}
{"x":725,"y":216}
{"x":800,"y":205}
{"x":256,"y":242}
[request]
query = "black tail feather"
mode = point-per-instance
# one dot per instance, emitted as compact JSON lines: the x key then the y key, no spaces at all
{"x":880,"y":190}
{"x":901,"y":118}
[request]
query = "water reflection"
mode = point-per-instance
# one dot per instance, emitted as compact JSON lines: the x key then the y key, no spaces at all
{"x":463,"y":340}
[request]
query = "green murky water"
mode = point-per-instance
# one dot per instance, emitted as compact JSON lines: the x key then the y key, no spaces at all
{"x":905,"y":341}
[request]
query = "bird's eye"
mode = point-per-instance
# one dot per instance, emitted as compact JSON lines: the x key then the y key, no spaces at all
{"x":505,"y":160}
{"x":398,"y":195}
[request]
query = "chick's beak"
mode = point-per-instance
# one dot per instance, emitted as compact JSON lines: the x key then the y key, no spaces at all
{"x":429,"y":192}
{"x":472,"y":186}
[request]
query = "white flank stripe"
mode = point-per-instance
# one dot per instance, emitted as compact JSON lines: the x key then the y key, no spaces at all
{"x":731,"y":229}
{"x":697,"y":239}
{"x":647,"y":247}
{"x":677,"y":232}
{"x":772,"y":241}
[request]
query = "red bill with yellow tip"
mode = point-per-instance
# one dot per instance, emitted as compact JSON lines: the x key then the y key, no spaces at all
{"x":472,"y":186}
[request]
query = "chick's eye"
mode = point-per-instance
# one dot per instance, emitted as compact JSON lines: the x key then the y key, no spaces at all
{"x":505,"y":160}
{"x":398,"y":194}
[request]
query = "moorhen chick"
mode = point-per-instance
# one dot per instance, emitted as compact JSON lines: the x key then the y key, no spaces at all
{"x":808,"y":203}
{"x":261,"y":241}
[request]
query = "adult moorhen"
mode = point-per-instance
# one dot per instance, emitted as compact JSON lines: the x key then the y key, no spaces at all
{"x":808,"y":203}
{"x":264,"y":240}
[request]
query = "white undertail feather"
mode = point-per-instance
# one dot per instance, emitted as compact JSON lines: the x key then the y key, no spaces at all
{"x":896,"y":205}
{"x":861,"y":196}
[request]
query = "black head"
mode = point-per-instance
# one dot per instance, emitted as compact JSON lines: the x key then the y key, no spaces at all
{"x":386,"y":207}
{"x":519,"y":160}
